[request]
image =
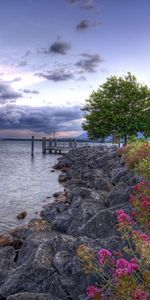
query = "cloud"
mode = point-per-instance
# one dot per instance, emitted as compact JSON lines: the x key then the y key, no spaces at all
{"x":7,"y":93}
{"x":84,"y":24}
{"x":73,"y":1}
{"x":26,"y":91}
{"x":27,"y":53}
{"x":89,"y":62}
{"x":17,"y":79}
{"x":88,"y":4}
{"x":59,"y":47}
{"x":40,"y":119}
{"x":23,"y":63}
{"x":57,"y":75}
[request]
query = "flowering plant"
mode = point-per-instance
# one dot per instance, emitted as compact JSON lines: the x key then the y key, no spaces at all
{"x":137,"y":156}
{"x":124,"y":275}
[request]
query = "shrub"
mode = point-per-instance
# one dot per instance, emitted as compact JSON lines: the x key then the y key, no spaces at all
{"x":137,"y":156}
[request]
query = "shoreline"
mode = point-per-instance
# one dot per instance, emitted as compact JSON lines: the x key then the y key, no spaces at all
{"x":41,"y":258}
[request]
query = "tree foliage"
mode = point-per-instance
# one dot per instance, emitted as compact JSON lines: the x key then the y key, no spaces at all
{"x":121,"y":106}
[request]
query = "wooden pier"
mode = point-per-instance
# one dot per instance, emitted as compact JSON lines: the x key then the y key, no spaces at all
{"x":59,"y":146}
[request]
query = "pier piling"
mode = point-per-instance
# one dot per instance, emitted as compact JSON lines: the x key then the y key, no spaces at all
{"x":32,"y":146}
{"x":44,"y":145}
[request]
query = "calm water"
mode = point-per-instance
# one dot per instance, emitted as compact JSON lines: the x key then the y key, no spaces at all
{"x":25,"y":183}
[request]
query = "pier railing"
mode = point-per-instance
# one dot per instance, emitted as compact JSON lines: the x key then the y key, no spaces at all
{"x":64,"y":145}
{"x":59,"y":146}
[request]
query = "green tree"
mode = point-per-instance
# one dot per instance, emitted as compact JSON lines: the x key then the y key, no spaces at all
{"x":120,"y":106}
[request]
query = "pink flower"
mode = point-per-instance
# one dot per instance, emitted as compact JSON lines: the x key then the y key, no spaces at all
{"x":146,"y":204}
{"x":120,"y":272}
{"x":142,"y":236}
{"x":124,"y":218}
{"x":139,"y":294}
{"x":93,"y":291}
{"x":134,"y":213}
{"x":134,"y":260}
{"x":104,"y":255}
{"x":122,"y":263}
{"x":125,"y":267}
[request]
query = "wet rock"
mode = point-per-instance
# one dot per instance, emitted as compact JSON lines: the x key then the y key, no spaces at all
{"x":8,"y":240}
{"x":61,"y":222}
{"x":22,"y":215}
{"x":63,"y":178}
{"x":35,"y":226}
{"x":61,"y":196}
{"x":32,"y":296}
{"x":52,"y":211}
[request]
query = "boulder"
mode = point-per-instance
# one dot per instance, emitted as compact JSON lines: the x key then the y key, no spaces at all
{"x":32,"y":296}
{"x":22,"y":215}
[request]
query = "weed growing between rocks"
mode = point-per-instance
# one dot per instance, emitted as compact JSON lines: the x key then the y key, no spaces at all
{"x":137,"y":156}
{"x":125,"y":275}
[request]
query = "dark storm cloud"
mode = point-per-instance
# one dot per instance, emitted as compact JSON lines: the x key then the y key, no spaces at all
{"x":7,"y":93}
{"x":40,"y":119}
{"x":26,"y":91}
{"x":59,"y":47}
{"x":57,"y":75}
{"x":84,"y":24}
{"x":89,"y":62}
{"x":88,"y":4}
{"x":72,"y":1}
{"x":85,"y":4}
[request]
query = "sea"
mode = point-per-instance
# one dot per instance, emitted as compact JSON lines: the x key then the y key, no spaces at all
{"x":26,"y":183}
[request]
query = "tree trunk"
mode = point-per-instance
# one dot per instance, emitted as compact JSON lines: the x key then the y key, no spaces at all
{"x":125,"y":139}
{"x":116,"y":139}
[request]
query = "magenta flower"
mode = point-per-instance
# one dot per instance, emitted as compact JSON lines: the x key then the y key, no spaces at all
{"x":124,"y":218}
{"x":122,"y":263}
{"x":140,"y":295}
{"x":104,"y":255}
{"x":146,"y":204}
{"x":124,"y":267}
{"x":93,"y":291}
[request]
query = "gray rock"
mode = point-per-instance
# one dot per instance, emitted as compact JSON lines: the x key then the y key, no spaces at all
{"x":46,"y":265}
{"x":100,"y":225}
{"x":31,"y":296}
{"x":120,"y":194}
{"x":117,"y":173}
{"x":7,"y":253}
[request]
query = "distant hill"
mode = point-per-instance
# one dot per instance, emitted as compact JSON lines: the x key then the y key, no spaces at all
{"x":108,"y":139}
{"x":83,"y":136}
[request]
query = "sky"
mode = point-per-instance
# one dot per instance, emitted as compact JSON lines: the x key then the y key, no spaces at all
{"x":53,"y":54}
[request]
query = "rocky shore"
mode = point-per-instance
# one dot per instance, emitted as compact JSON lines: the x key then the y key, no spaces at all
{"x":39,"y":261}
